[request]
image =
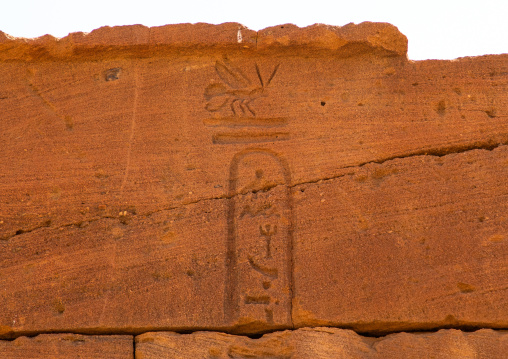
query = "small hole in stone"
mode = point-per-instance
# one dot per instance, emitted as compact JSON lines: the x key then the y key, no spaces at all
{"x":19,"y":231}
{"x":491,"y":113}
{"x":323,"y":103}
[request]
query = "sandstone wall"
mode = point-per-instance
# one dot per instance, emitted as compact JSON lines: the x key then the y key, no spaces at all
{"x":211,"y":178}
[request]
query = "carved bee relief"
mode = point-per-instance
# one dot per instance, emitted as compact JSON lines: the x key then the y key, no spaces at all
{"x":236,"y":90}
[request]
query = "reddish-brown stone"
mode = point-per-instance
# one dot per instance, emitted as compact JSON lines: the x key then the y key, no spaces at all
{"x":68,"y":346}
{"x":413,"y":243}
{"x":210,"y":177}
{"x":325,"y":343}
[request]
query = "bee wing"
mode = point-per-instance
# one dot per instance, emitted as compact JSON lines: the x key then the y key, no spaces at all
{"x":214,"y":90}
{"x":231,"y":75}
{"x":216,"y":103}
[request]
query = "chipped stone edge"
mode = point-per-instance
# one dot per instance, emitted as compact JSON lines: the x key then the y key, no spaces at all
{"x":381,"y":39}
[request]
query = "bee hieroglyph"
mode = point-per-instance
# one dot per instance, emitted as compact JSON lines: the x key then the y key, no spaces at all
{"x":237,"y":91}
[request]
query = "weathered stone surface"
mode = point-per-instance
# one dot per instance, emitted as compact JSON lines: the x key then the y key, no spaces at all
{"x":321,"y":343}
{"x":413,"y":243}
{"x":68,"y":346}
{"x":140,"y":41}
{"x":210,"y":177}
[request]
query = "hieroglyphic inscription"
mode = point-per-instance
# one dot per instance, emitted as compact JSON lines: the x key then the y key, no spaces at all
{"x":236,"y":89}
{"x":260,"y":239}
{"x":245,"y":122}
{"x":235,"y":95}
{"x":260,"y":214}
{"x":244,"y":137}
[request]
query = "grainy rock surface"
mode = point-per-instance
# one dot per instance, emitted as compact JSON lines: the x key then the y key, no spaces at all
{"x":200,"y":177}
{"x":68,"y":346}
{"x":321,"y":343}
{"x":431,"y":234}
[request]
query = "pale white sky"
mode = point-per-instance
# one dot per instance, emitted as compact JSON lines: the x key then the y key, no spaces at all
{"x":437,"y":29}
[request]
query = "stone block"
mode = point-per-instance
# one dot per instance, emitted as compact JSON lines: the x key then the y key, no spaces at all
{"x":68,"y":346}
{"x":200,"y":177}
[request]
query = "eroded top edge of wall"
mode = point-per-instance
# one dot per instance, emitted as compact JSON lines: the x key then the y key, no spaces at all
{"x":380,"y":39}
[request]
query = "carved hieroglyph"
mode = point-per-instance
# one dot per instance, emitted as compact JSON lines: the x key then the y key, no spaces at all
{"x":260,"y":233}
{"x":173,"y":178}
{"x":260,"y":214}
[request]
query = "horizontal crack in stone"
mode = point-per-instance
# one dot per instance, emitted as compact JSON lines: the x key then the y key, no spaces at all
{"x":434,"y":152}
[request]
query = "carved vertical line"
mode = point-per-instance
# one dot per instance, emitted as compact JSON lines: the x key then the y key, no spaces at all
{"x":290,"y":242}
{"x":231,"y":288}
